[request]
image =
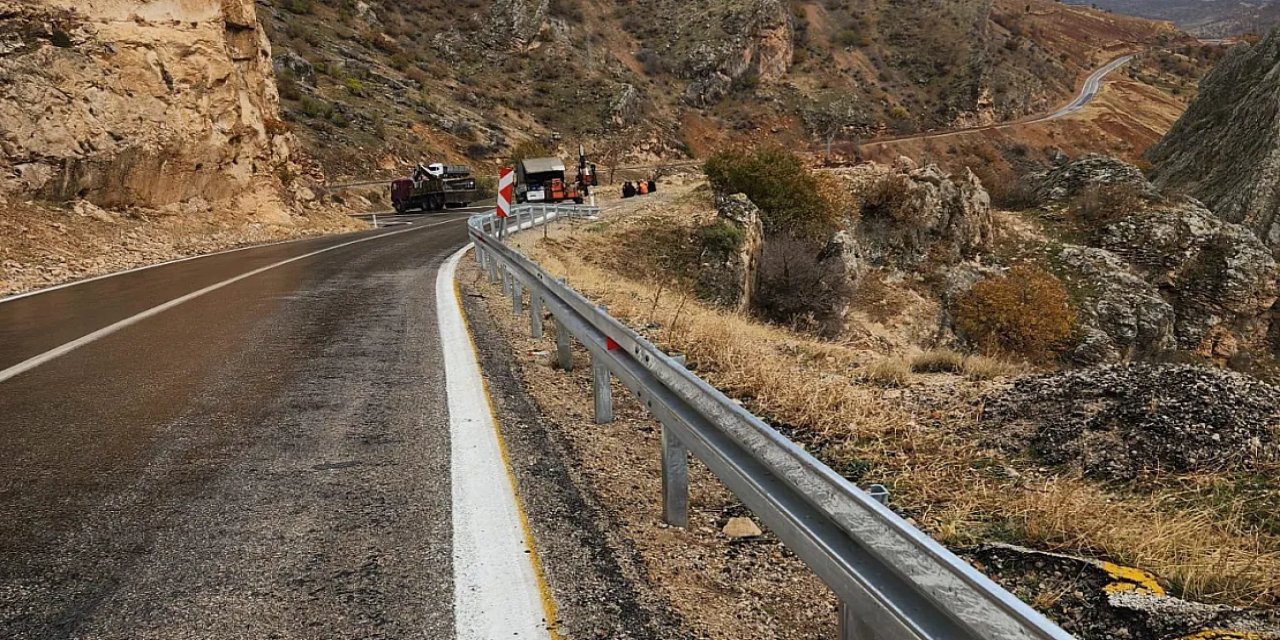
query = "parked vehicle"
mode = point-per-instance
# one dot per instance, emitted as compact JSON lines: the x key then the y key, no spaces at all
{"x":434,"y":187}
{"x":543,"y":180}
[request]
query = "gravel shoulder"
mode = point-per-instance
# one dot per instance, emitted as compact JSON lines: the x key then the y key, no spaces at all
{"x":592,"y":493}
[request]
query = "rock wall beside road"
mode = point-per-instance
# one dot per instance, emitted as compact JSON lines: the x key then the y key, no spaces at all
{"x":138,"y":103}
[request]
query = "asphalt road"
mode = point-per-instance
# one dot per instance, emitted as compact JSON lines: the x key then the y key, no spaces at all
{"x":266,"y":460}
{"x":1089,"y":91}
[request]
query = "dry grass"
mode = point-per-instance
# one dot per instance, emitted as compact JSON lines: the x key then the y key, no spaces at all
{"x":938,"y":361}
{"x":928,"y":451}
{"x":988,"y":368}
{"x":973,"y":367}
{"x":889,"y":372}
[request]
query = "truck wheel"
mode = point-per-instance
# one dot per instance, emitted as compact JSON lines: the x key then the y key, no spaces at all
{"x":577,"y":200}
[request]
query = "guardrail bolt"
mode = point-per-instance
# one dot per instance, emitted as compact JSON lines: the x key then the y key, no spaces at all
{"x":675,"y":480}
{"x":535,"y":315}
{"x":879,"y":492}
{"x":602,"y":391}
{"x":564,"y":346}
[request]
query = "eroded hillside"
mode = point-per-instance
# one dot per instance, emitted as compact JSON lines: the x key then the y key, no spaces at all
{"x":377,"y":84}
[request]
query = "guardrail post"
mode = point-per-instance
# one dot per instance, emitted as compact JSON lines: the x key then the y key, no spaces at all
{"x":493,"y":271}
{"x":675,"y":480}
{"x":564,"y":346}
{"x":535,"y":314}
{"x":517,"y":296}
{"x":506,"y":281}
{"x":851,"y":628}
{"x":602,"y":391}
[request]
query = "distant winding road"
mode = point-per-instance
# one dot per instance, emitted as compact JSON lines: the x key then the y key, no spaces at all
{"x":1092,"y":85}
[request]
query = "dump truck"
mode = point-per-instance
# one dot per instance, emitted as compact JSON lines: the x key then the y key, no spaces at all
{"x":543,"y":180}
{"x":434,"y":187}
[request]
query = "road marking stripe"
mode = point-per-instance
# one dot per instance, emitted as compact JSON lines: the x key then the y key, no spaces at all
{"x":57,"y":352}
{"x":498,"y":587}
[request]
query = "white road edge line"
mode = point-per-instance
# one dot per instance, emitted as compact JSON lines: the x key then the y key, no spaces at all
{"x":497,"y":590}
{"x":35,"y":361}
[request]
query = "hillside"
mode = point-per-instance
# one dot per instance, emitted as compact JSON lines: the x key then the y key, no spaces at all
{"x":369,"y":86}
{"x":1206,"y":19}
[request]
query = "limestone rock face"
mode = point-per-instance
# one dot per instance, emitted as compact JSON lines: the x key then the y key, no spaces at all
{"x":933,"y":215}
{"x":759,"y":41}
{"x":1121,"y":315}
{"x":1069,"y":180}
{"x":1225,"y":150}
{"x":126,"y":103}
{"x":730,"y":277}
{"x":1219,"y":276}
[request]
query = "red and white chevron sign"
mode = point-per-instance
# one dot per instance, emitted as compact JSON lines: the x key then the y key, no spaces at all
{"x":506,"y":188}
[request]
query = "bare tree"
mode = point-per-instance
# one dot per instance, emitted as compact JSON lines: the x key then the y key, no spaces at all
{"x":832,"y":113}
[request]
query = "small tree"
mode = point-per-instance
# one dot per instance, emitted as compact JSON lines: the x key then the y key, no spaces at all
{"x":832,"y":113}
{"x":792,"y":198}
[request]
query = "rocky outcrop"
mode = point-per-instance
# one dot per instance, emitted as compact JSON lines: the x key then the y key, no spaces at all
{"x":1219,"y":277}
{"x":731,"y":261}
{"x":1120,"y":315}
{"x":514,"y":23}
{"x":925,"y":213}
{"x":1071,"y":179}
{"x":758,"y":42}
{"x":139,"y":104}
{"x":1225,"y":150}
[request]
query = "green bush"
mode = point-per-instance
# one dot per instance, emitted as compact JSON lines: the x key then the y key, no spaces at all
{"x":792,"y":198}
{"x":354,"y":86}
{"x":1026,"y":312}
{"x":313,"y":108}
{"x":722,"y":237}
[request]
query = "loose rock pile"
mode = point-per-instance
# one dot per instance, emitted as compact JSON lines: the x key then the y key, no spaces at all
{"x":1118,"y":422}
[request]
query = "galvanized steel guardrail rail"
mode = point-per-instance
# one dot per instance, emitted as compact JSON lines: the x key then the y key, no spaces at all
{"x":893,"y":581}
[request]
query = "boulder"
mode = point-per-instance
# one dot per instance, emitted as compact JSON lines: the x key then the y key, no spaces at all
{"x":758,"y":42}
{"x":1121,"y":316}
{"x":1069,"y":180}
{"x":926,"y":213}
{"x":730,"y":273}
{"x":301,"y":68}
{"x":1219,"y":277}
{"x":1225,"y":149}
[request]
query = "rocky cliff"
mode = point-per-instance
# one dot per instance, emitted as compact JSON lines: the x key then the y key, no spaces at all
{"x":1225,"y":151}
{"x":147,"y":104}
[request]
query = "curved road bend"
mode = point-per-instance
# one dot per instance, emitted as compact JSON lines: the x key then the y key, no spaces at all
{"x":1092,"y":85}
{"x":268,"y":459}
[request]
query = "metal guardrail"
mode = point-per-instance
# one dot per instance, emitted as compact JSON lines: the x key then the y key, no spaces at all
{"x":893,"y":581}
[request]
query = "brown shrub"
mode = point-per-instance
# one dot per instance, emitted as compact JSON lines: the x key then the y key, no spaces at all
{"x":797,"y":289}
{"x":888,"y":197}
{"x":1025,"y":312}
{"x":1104,"y":204}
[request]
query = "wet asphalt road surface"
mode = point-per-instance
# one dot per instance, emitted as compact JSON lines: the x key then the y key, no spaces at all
{"x":269,"y":460}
